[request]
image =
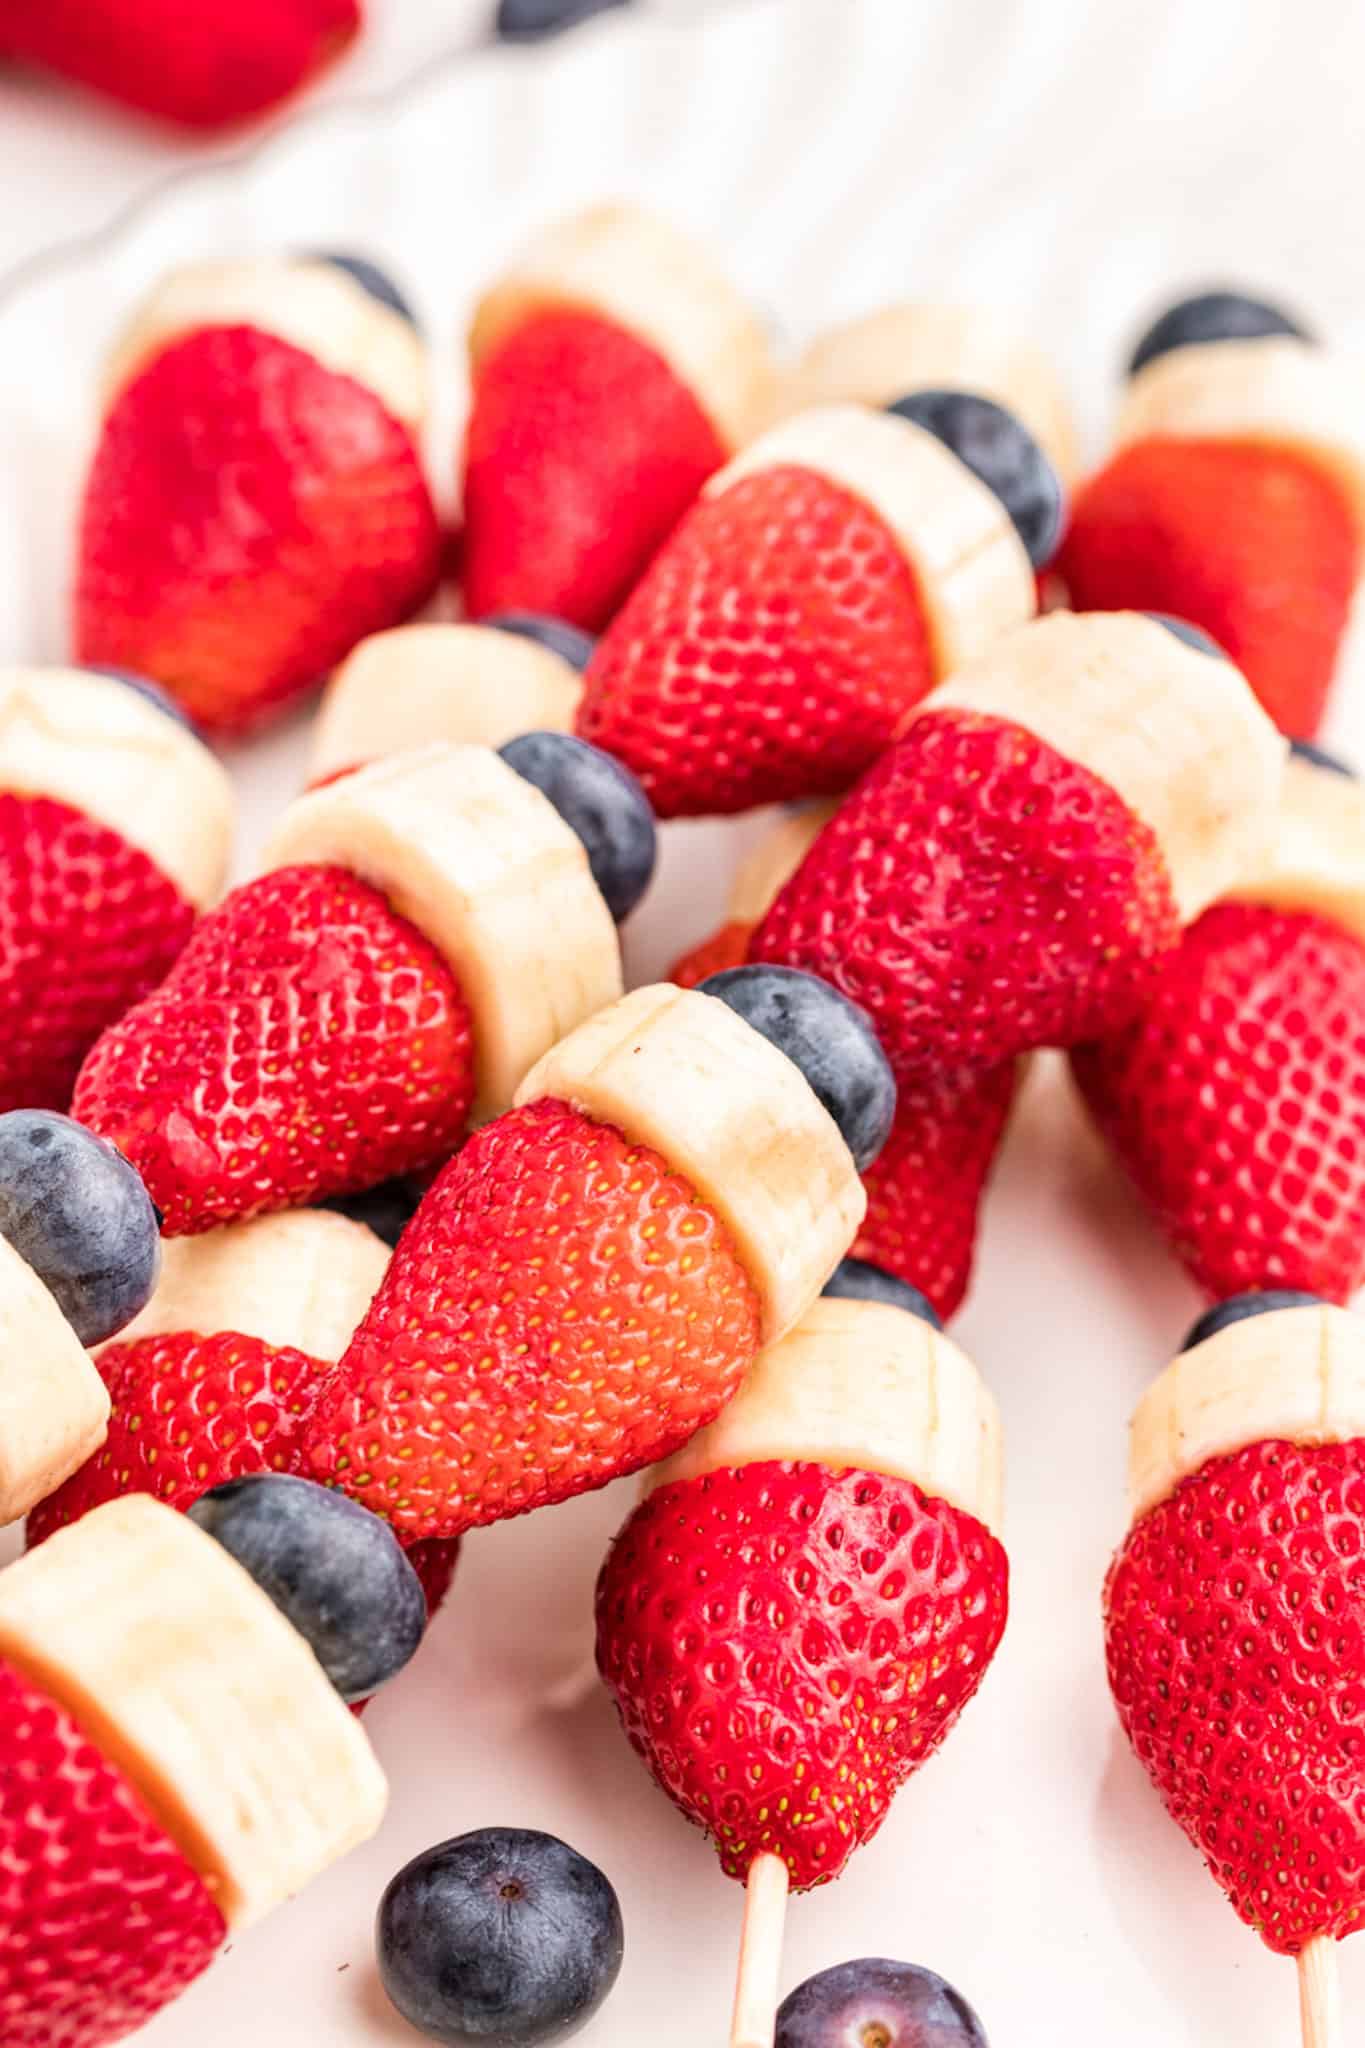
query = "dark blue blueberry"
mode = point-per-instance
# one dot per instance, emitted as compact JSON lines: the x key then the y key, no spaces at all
{"x":78,"y":1214}
{"x":370,"y":278}
{"x":860,"y":1280}
{"x":894,"y":2005}
{"x":1238,"y":1307}
{"x":602,"y":802}
{"x":571,"y":643}
{"x":1193,"y":636}
{"x":525,"y":21}
{"x":999,"y":449}
{"x":334,"y":1570}
{"x":386,"y":1210}
{"x":1320,"y":758}
{"x":504,"y":1938}
{"x":829,"y":1038}
{"x":1213,"y":316}
{"x":145,"y":687}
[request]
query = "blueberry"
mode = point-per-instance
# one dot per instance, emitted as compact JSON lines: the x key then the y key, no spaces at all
{"x":1213,"y":316}
{"x":145,"y":687}
{"x":370,"y":278}
{"x":894,"y":2005}
{"x":829,"y":1038}
{"x":504,"y":1937}
{"x":332,"y":1568}
{"x":860,"y":1280}
{"x":570,"y":643}
{"x":524,"y":21}
{"x":1238,"y":1307}
{"x":1193,"y":636}
{"x":78,"y":1214}
{"x":999,"y":449}
{"x":602,"y":802}
{"x":386,"y":1210}
{"x":1320,"y":758}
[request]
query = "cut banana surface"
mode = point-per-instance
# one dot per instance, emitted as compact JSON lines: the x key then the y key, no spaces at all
{"x":1177,"y":733}
{"x":301,"y":1280}
{"x":486,"y":868}
{"x":54,"y":1409}
{"x":181,"y":1670}
{"x":643,"y":274}
{"x":1316,"y":860}
{"x":770,"y":864}
{"x":93,"y":743}
{"x":1294,"y":1373}
{"x":681,"y":1073}
{"x":415,"y":684}
{"x":972,"y":570}
{"x":862,"y":1384}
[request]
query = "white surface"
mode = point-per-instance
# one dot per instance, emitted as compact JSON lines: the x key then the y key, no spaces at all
{"x":1075,"y":163}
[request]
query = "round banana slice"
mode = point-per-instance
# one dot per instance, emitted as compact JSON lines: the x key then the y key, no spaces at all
{"x":1177,"y":733}
{"x":91,"y":742}
{"x":770,"y":865}
{"x":973,"y":573}
{"x":54,"y":1407}
{"x":861,"y":1384}
{"x":682,"y":1073}
{"x":484,"y":865}
{"x":1316,"y":859}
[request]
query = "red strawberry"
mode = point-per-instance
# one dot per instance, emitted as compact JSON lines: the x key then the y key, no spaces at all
{"x":728,"y":946}
{"x":248,"y":516}
{"x":1236,"y":1643}
{"x":1236,"y":1102}
{"x":308,"y":1041}
{"x":102,"y":1921}
{"x":582,"y":452}
{"x":201,"y":67}
{"x":770,"y":652}
{"x":561,"y":1310}
{"x":88,"y":924}
{"x":786,"y":1645}
{"x":980,"y":895}
{"x":1256,"y":544}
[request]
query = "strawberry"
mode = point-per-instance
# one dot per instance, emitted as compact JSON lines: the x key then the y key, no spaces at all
{"x":728,"y":946}
{"x":1255,"y":543}
{"x":102,"y":1921}
{"x":308,"y":1041}
{"x":1235,"y":1623}
{"x":979,"y":895}
{"x":1236,"y":1101}
{"x":562,"y":1309}
{"x":248,"y":516}
{"x":787,"y":1644}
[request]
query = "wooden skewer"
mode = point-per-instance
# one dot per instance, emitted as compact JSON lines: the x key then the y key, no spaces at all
{"x":1320,"y":1995}
{"x":760,"y":1958}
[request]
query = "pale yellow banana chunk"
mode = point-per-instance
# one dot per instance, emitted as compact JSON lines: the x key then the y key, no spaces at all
{"x":54,"y":1409}
{"x":1316,"y":858}
{"x":770,"y":865}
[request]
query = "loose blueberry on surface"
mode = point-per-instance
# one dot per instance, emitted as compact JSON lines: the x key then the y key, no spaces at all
{"x":1193,"y":636}
{"x":877,"y":2004}
{"x":599,"y":800}
{"x":1321,"y":758}
{"x":78,"y":1214}
{"x":386,"y":1210}
{"x":370,"y":278}
{"x":860,"y":1280}
{"x":1238,"y":1308}
{"x":505,"y":1937}
{"x":999,"y":449}
{"x":145,"y":687}
{"x":570,"y":643}
{"x":524,"y":21}
{"x":332,"y":1568}
{"x":1213,"y":316}
{"x":829,"y":1038}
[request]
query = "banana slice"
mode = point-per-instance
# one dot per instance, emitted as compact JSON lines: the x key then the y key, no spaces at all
{"x":643,"y":274}
{"x":862,"y":1384}
{"x":1175,"y":732}
{"x":917,"y":347}
{"x":974,"y":576}
{"x":484,"y":865}
{"x":90,"y":742}
{"x":415,"y":684}
{"x":682,"y":1073}
{"x":54,"y":1408}
{"x":1294,"y":1373}
{"x":189,"y":1679}
{"x":301,"y":1280}
{"x":774,"y":860}
{"x":1316,"y":860}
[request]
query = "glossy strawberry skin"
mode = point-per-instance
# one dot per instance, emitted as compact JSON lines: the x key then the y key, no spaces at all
{"x":102,"y":1921}
{"x":88,"y":924}
{"x":582,"y":452}
{"x":770,"y":651}
{"x":786,"y":1645}
{"x":247,"y":518}
{"x":307,"y":1042}
{"x":981,"y":896}
{"x":561,"y":1310}
{"x":1255,"y":544}
{"x":1236,"y":1102}
{"x":1235,"y":1629}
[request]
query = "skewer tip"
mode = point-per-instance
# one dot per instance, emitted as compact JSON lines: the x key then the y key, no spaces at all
{"x":1320,"y":1995}
{"x":760,"y":1954}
